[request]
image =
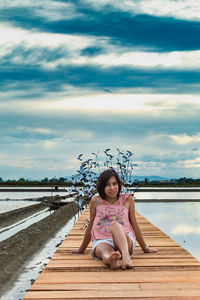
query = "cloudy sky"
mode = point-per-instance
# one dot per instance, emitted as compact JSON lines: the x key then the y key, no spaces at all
{"x":82,"y":76}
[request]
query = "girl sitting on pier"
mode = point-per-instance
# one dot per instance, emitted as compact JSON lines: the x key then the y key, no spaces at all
{"x":113,"y":227}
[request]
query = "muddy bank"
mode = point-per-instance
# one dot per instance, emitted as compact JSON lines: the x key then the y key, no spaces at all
{"x":13,"y":216}
{"x":16,"y":250}
{"x":16,"y":215}
{"x":19,"y":189}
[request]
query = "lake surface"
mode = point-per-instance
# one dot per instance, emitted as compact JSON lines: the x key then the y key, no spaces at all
{"x":14,"y":200}
{"x":180,"y":221}
{"x":6,"y":206}
{"x":28,"y":195}
{"x":167,"y":195}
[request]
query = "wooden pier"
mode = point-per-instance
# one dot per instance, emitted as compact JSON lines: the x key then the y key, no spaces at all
{"x":171,"y":273}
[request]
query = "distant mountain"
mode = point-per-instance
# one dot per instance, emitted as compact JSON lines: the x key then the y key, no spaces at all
{"x":151,"y":178}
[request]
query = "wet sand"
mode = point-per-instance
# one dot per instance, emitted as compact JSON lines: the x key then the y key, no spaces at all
{"x":16,"y":250}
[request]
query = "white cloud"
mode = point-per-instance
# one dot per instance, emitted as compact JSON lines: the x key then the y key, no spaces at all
{"x":183,"y":139}
{"x":171,"y":60}
{"x":78,"y":135}
{"x":51,"y":10}
{"x":192,"y":163}
{"x":2,"y":157}
{"x":26,"y":129}
{"x":67,"y":136}
{"x":180,"y":9}
{"x":50,"y":144}
{"x":12,"y":37}
{"x":106,"y":103}
{"x":186,"y":229}
{"x":72,"y":45}
{"x":48,"y":9}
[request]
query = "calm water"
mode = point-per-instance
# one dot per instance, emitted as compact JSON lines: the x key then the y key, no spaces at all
{"x":9,"y":231}
{"x":28,"y":195}
{"x":167,"y":195}
{"x":170,"y":188}
{"x":14,"y":204}
{"x":14,"y":200}
{"x":180,"y":221}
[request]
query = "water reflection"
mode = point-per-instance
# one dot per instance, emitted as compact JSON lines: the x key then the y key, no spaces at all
{"x":7,"y":232}
{"x":167,"y":195}
{"x":180,"y":221}
{"x":6,"y":206}
{"x":29,"y":195}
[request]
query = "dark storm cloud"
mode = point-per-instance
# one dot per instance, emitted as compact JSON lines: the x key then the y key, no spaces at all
{"x":150,"y":32}
{"x":33,"y":55}
{"x":92,"y":51}
{"x":123,"y":28}
{"x":170,"y":81}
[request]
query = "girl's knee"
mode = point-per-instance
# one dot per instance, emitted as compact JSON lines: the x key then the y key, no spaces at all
{"x":115,"y":225}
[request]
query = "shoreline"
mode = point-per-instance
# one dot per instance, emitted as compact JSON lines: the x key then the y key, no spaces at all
{"x":166,"y":200}
{"x":13,"y":216}
{"x":18,"y":249}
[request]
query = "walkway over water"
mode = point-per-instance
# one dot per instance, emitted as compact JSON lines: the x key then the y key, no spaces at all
{"x":171,"y":273}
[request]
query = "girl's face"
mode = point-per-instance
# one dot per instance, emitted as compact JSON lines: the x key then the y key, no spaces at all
{"x":112,"y":188}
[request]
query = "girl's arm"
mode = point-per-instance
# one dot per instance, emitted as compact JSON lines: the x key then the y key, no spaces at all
{"x":87,"y":236}
{"x":136,"y":227}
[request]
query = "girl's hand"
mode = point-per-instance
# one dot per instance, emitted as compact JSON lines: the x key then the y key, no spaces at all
{"x":77,"y":251}
{"x":150,"y":250}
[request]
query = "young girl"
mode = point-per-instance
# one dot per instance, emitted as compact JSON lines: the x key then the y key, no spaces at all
{"x":113,"y":227}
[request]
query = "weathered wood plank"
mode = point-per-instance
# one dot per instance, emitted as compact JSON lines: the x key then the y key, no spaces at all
{"x":109,"y":294}
{"x":137,"y":262}
{"x":114,"y":286}
{"x":118,"y":276}
{"x":69,"y":256}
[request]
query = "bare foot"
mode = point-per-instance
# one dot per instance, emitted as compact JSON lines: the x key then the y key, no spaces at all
{"x":113,"y":260}
{"x":126,"y":262}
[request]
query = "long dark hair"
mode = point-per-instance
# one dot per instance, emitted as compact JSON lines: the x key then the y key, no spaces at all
{"x":103,"y":179}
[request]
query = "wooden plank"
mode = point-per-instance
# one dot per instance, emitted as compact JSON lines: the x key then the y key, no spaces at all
{"x":118,"y":276}
{"x":113,"y":286}
{"x":137,"y":262}
{"x":69,"y":256}
{"x":105,"y":294}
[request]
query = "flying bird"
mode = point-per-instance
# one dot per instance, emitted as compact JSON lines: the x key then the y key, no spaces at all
{"x":119,"y":152}
{"x":129,"y":153}
{"x":79,"y":157}
{"x":106,"y":151}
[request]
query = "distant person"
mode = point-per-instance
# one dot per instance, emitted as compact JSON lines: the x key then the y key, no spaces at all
{"x":113,"y":227}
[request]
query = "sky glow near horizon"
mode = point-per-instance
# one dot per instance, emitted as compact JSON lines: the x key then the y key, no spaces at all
{"x":82,"y":76}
